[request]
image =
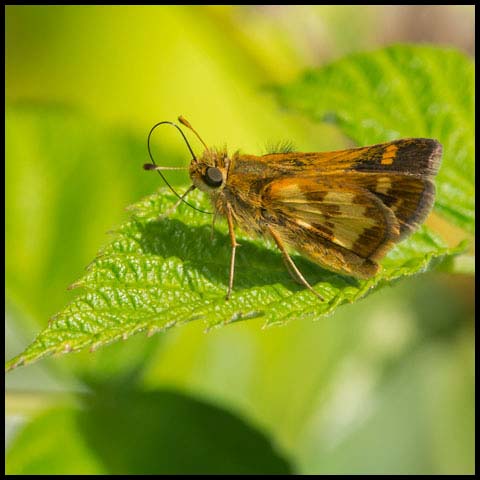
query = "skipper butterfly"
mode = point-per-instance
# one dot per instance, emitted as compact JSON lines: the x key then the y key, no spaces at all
{"x":344,"y":210}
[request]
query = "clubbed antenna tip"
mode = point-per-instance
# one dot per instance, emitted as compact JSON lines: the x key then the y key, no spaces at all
{"x":152,"y":166}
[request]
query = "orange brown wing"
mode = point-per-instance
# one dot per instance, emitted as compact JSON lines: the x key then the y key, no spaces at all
{"x":345,"y":215}
{"x":410,"y":156}
{"x":343,"y":227}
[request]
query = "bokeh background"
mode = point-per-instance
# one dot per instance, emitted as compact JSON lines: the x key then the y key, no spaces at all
{"x":383,"y":386}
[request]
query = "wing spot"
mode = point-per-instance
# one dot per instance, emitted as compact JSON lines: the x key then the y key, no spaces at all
{"x":384,"y":185}
{"x":339,"y":197}
{"x":389,"y":155}
{"x":291,"y":190}
{"x":354,"y":209}
{"x":347,"y":242}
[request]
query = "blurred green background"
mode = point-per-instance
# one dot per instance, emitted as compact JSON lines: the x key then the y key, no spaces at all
{"x":382,"y":386}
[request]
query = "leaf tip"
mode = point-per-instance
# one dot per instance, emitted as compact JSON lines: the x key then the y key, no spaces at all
{"x":14,"y":363}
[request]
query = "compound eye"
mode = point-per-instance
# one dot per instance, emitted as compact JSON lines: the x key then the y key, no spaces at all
{"x":213,"y":177}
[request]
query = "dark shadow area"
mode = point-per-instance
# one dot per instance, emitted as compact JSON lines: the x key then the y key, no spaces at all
{"x":254,"y":266}
{"x":164,"y":432}
{"x":441,"y":313}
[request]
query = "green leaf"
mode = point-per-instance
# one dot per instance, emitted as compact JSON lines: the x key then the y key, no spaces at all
{"x":160,"y":273}
{"x":67,"y":179}
{"x":402,"y":91}
{"x":131,"y":432}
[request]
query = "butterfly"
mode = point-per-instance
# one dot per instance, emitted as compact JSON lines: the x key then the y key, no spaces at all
{"x":344,"y":210}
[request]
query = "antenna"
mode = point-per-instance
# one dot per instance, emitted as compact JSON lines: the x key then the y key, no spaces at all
{"x":185,"y":122}
{"x":151,"y":166}
{"x":154,"y":166}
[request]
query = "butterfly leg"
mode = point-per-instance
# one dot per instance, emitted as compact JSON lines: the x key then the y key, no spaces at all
{"x":291,"y":271}
{"x":234,"y":244}
{"x":177,"y":203}
{"x":291,"y":267}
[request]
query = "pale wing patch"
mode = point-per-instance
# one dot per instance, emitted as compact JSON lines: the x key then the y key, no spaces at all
{"x":384,"y":185}
{"x":303,"y":224}
{"x":291,"y":190}
{"x":339,"y":198}
{"x":347,"y":233}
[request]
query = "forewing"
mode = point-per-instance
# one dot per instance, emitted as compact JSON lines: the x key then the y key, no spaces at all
{"x":410,"y":156}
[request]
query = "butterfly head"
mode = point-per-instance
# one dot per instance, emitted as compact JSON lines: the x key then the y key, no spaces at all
{"x":208,"y":173}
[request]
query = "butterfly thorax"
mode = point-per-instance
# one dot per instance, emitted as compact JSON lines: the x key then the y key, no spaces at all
{"x":236,"y":180}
